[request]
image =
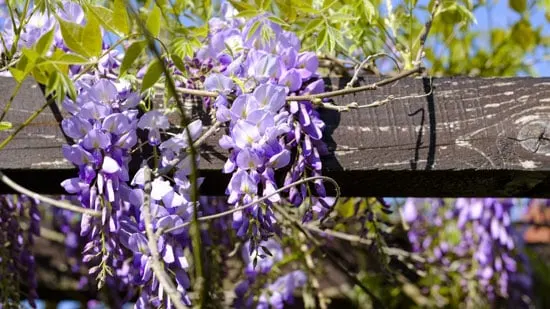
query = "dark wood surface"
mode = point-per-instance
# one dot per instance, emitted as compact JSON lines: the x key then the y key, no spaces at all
{"x":450,"y":137}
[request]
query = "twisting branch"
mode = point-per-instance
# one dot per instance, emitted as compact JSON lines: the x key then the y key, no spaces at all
{"x":377,"y":303}
{"x":195,"y":231}
{"x":152,"y":243}
{"x":27,"y":121}
{"x":362,"y":65}
{"x":425,"y":31}
{"x":391,"y":98}
{"x":263,"y":198}
{"x":363,"y":241}
{"x":59,"y":204}
{"x":373,"y":86}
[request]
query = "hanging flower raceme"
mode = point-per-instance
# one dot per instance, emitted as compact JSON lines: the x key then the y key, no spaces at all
{"x":19,"y":224}
{"x":103,"y":125}
{"x":474,"y":237}
{"x":258,"y":66}
{"x":274,"y":293}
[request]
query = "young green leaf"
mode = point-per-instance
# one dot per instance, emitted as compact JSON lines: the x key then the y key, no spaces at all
{"x":518,"y":5}
{"x":69,"y":59}
{"x":322,"y":38}
{"x":5,"y":125}
{"x":152,"y":75}
{"x":91,"y":36}
{"x":132,"y":53}
{"x":44,"y":43}
{"x":121,"y":20}
{"x":178,"y":62}
{"x":277,"y":20}
{"x":153,"y":21}
{"x":242,"y":6}
{"x":106,"y":17}
{"x":72,"y":37}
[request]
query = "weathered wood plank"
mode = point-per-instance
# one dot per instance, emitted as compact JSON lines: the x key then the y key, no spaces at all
{"x":465,"y":137}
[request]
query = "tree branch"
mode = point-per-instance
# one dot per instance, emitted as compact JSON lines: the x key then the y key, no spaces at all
{"x":425,"y":31}
{"x":377,"y":303}
{"x":59,"y":204}
{"x":340,"y":92}
{"x":156,"y":265}
{"x":263,"y":198}
{"x":360,"y":240}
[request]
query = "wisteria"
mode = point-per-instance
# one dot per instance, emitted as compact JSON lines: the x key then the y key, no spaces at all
{"x":476,"y":232}
{"x":275,"y":294}
{"x":19,"y":225}
{"x":263,"y":129}
{"x":137,"y":225}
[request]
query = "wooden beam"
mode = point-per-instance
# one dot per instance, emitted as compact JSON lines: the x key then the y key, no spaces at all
{"x":449,"y":137}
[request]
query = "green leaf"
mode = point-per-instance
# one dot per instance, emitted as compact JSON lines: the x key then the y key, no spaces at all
{"x":178,"y":62}
{"x":44,"y":43}
{"x":312,"y":25}
{"x":31,"y":55}
{"x":68,"y":86}
{"x":242,"y":6}
{"x":518,"y":5}
{"x":106,"y":17}
{"x":322,"y":38}
{"x":523,"y":35}
{"x":25,"y":64}
{"x":253,"y":29}
{"x":86,"y":41}
{"x":132,"y":53}
{"x":370,"y":10}
{"x":247,"y":14}
{"x":53,"y":83}
{"x":69,"y":59}
{"x":72,"y":34}
{"x":91,"y":36}
{"x":153,"y":21}
{"x":277,"y":20}
{"x":152,"y":75}
{"x":121,"y":20}
{"x":18,"y":75}
{"x":4,"y":125}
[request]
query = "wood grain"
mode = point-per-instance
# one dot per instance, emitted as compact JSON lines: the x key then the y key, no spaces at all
{"x":450,"y":137}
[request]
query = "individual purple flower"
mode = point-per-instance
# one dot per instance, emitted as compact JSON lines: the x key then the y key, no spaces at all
{"x":154,"y":121}
{"x":219,"y":83}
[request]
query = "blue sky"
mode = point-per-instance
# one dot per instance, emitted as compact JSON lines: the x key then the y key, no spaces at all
{"x":501,"y":15}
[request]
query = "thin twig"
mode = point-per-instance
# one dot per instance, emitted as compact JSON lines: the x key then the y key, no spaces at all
{"x":373,"y":86}
{"x":52,"y":235}
{"x":377,"y":303}
{"x":152,"y":243}
{"x":316,"y":97}
{"x":164,"y":170}
{"x":362,"y":65}
{"x":59,"y":204}
{"x":392,"y":98}
{"x":195,"y":233}
{"x":26,"y":123}
{"x":10,"y":100}
{"x":425,"y":31}
{"x":228,"y":212}
{"x":363,"y":241}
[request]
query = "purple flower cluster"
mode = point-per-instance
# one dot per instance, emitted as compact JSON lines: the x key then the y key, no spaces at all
{"x":256,"y":67}
{"x":489,"y":219}
{"x":103,"y":125}
{"x":474,"y":235}
{"x":17,"y":263}
{"x":39,"y":24}
{"x":274,"y":294}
